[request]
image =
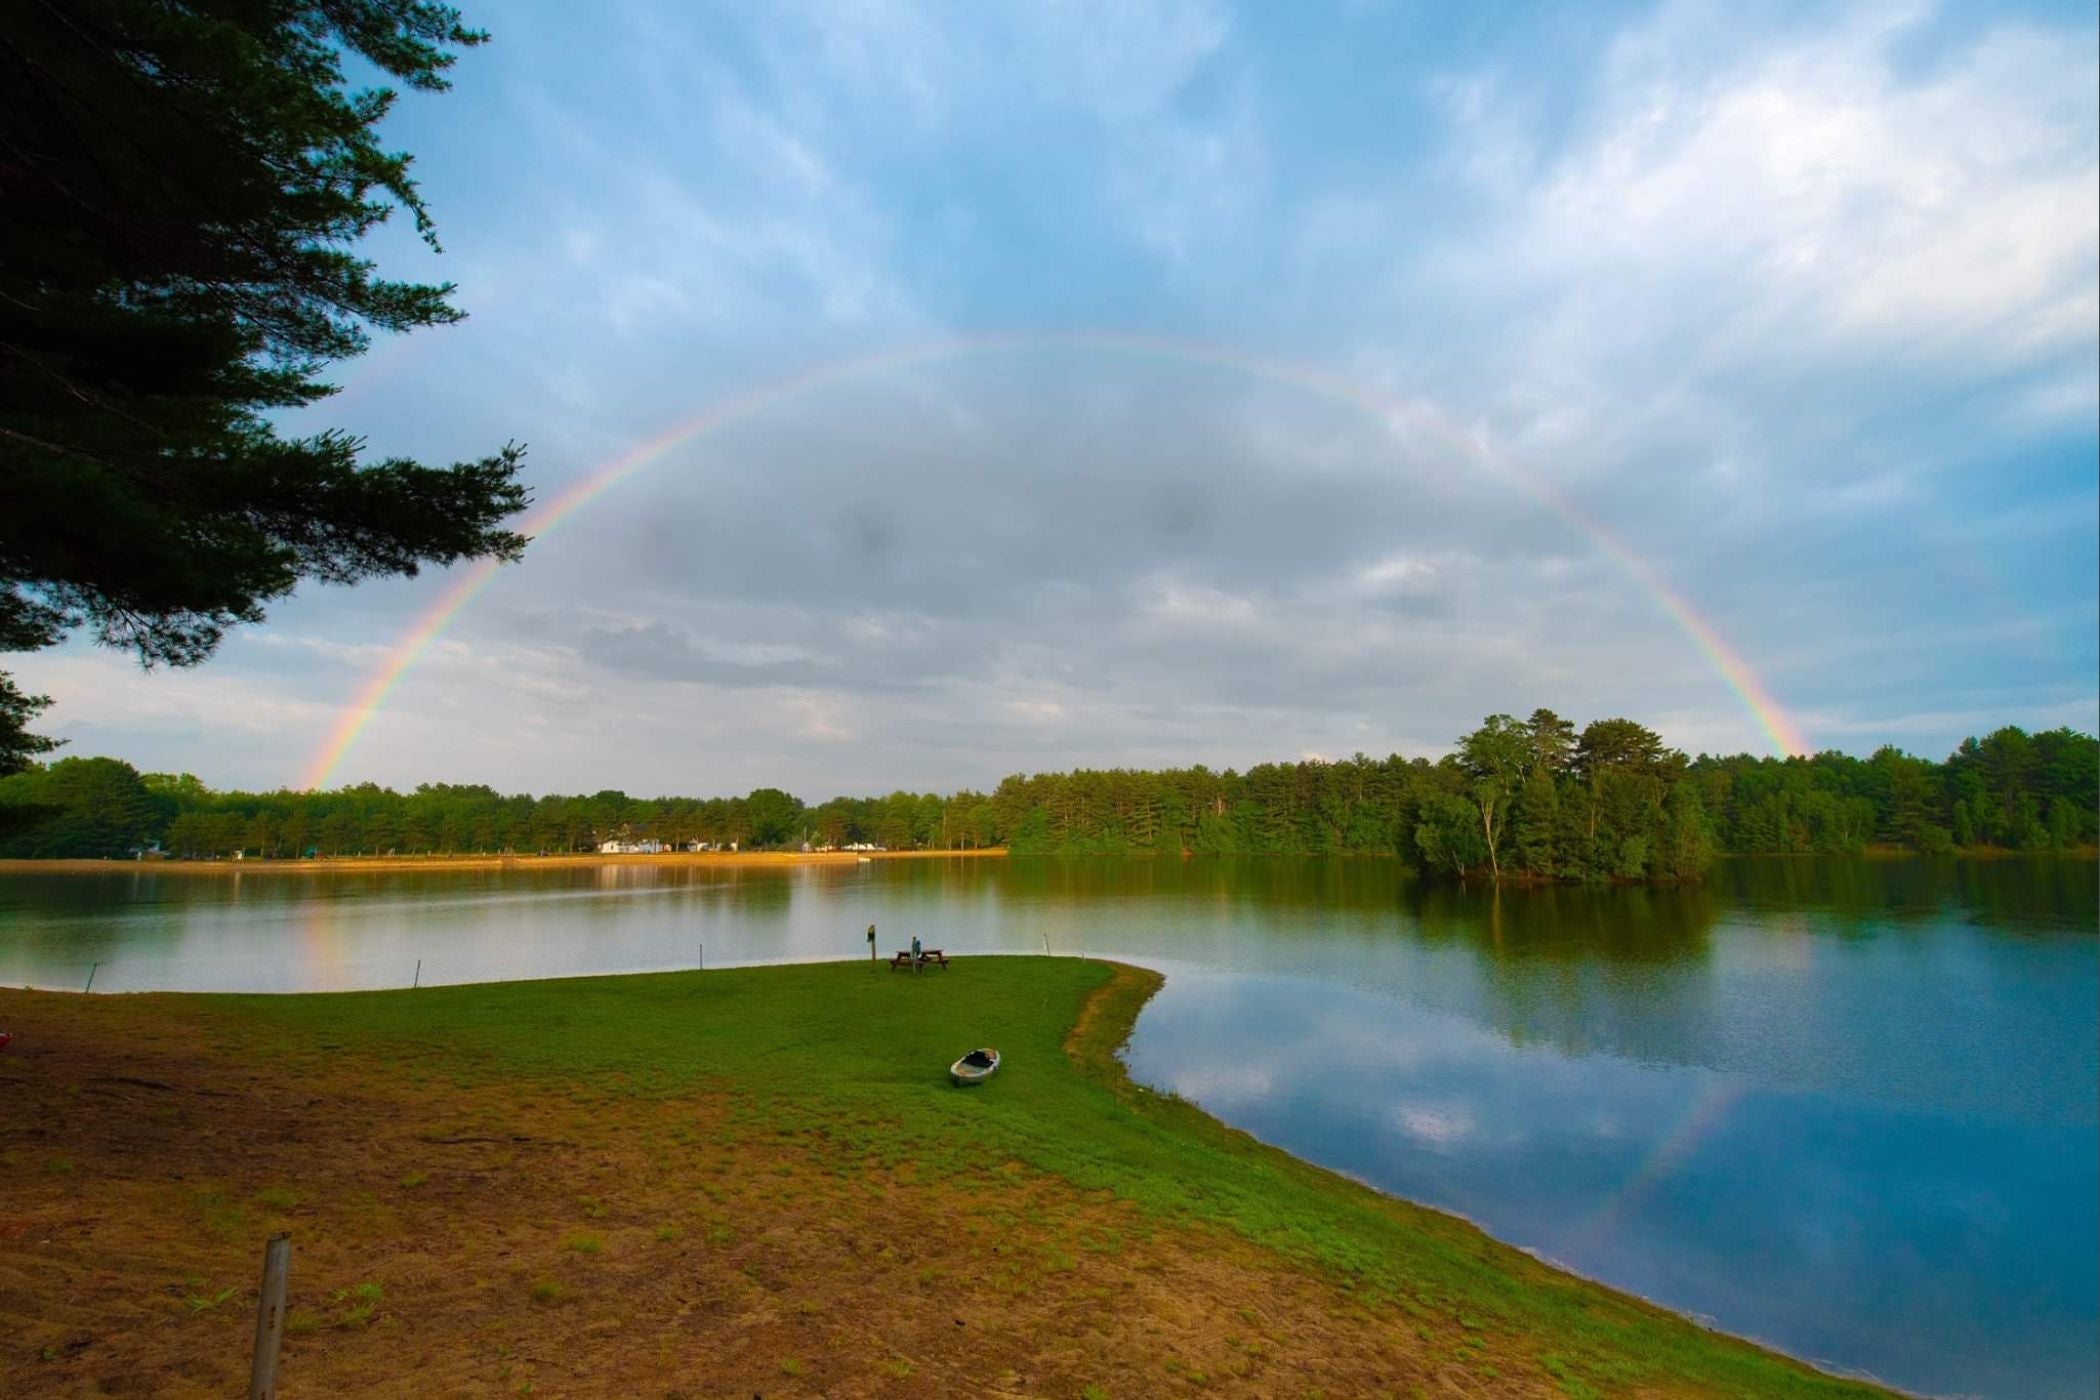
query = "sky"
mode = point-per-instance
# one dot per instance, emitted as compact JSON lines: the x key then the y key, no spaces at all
{"x":1119,"y":384}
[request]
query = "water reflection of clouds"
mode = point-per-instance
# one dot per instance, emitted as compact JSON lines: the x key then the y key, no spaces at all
{"x":1231,"y":1083}
{"x":1431,"y":1106}
{"x":1781,"y":1096}
{"x":1433,"y":1124}
{"x":1775,"y":1212}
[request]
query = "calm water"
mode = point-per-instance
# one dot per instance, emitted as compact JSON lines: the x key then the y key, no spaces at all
{"x":1847,"y":1107}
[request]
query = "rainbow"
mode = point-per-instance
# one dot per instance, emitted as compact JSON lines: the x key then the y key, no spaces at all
{"x":1708,"y":1108}
{"x":1785,"y":737}
{"x":321,"y":941}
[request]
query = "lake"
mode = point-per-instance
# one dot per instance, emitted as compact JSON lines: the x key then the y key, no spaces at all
{"x":1847,"y":1107}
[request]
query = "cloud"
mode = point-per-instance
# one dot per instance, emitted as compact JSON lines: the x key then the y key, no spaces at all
{"x":1846,"y":204}
{"x":663,"y":651}
{"x":1799,"y":309}
{"x":1802,"y":209}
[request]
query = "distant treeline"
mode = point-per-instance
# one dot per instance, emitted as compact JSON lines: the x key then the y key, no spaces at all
{"x":2010,"y":789}
{"x":1534,"y":798}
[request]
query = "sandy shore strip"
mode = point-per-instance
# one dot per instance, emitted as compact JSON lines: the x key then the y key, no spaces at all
{"x":336,"y":865}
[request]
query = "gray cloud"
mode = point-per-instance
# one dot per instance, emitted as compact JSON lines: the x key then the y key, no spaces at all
{"x":1818,"y":347}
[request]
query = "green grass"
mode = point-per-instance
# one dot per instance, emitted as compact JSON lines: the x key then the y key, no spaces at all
{"x":850,"y":1069}
{"x":359,"y":1303}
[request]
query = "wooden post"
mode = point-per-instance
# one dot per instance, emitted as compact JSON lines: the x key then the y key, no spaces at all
{"x":269,"y":1317}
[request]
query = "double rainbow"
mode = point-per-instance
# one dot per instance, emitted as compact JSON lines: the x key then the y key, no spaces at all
{"x":1785,"y":737}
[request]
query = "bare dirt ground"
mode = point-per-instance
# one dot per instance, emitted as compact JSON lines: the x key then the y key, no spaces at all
{"x":549,"y":1240}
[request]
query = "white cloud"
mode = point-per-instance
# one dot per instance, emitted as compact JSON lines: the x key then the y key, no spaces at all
{"x":1816,"y":199}
{"x":824,"y":718}
{"x":1710,"y":282}
{"x":1182,"y":605}
{"x":1396,"y":573}
{"x":1036,"y":711}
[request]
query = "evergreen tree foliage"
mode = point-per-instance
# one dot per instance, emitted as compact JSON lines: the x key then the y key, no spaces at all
{"x":184,"y":186}
{"x":1610,"y":803}
{"x":2009,"y":789}
{"x":17,"y":745}
{"x":81,"y":807}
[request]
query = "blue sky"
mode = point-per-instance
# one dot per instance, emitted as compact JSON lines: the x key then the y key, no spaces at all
{"x":1799,"y":301}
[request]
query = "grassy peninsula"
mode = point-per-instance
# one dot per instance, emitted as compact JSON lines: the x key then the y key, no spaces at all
{"x":730,"y":1182}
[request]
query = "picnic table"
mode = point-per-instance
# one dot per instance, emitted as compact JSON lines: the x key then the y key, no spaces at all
{"x":901,"y":960}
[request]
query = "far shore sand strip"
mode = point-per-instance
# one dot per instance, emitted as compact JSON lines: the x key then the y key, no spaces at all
{"x":334,"y":865}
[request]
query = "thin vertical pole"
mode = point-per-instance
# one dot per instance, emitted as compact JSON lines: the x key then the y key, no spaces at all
{"x":703,"y":957}
{"x":419,"y":974}
{"x":91,"y":980}
{"x":269,"y":1317}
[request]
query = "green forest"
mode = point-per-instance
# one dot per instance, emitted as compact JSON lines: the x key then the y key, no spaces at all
{"x":1534,"y":798}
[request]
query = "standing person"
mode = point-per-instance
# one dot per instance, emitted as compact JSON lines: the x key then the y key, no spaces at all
{"x":915,"y":952}
{"x":871,"y":947}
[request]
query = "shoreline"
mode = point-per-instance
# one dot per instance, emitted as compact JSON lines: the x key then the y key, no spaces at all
{"x":1390,"y":1288}
{"x":585,"y":860}
{"x":1096,"y":1052}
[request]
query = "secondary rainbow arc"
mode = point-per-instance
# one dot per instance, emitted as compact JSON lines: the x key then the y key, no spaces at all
{"x":1779,"y":728}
